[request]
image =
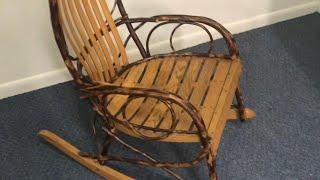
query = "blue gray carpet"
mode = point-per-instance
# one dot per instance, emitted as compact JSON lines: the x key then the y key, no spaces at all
{"x":281,"y":82}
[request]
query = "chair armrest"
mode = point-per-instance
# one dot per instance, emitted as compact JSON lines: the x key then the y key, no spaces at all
{"x":184,"y":19}
{"x":107,"y":89}
{"x":167,"y":97}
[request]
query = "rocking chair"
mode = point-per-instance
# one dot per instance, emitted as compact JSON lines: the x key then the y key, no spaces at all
{"x":174,"y":97}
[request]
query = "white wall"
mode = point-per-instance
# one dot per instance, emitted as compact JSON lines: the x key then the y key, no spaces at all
{"x":30,"y":59}
{"x":27,"y":46}
{"x":224,"y":11}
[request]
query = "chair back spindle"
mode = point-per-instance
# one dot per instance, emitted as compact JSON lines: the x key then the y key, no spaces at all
{"x":91,"y":32}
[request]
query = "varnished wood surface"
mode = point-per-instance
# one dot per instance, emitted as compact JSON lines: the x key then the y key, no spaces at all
{"x":208,"y":83}
{"x":84,"y":23}
{"x":233,"y":114}
{"x":73,"y":152}
{"x":163,"y":93}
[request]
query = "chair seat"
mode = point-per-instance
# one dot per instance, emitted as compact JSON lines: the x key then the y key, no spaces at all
{"x":208,"y":83}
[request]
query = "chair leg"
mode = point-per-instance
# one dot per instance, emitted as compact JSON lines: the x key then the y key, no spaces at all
{"x":106,"y":145}
{"x":243,"y":112}
{"x":211,"y":162}
{"x":103,"y":149}
{"x":240,"y":102}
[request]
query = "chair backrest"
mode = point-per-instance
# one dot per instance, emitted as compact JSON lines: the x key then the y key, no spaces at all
{"x":91,"y":32}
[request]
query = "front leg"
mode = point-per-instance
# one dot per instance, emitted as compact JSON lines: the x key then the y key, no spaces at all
{"x":211,"y":163}
{"x":240,"y":111}
{"x":240,"y":102}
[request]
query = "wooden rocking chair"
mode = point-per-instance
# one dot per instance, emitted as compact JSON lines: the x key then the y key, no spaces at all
{"x":171,"y":97}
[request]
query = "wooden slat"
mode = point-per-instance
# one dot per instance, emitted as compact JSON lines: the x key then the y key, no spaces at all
{"x":102,"y":65}
{"x":190,"y":77}
{"x":97,"y":34}
{"x":143,"y":107}
{"x":225,"y":95}
{"x":146,"y":110}
{"x":169,"y":75}
{"x":84,"y":37}
{"x":221,"y":121}
{"x":203,"y":82}
{"x":114,"y":30}
{"x":215,"y":91}
{"x":164,"y":72}
{"x":218,"y":123}
{"x":108,"y":39}
{"x":73,"y":33}
{"x":201,"y":86}
{"x":173,"y":86}
{"x":73,"y":40}
{"x":210,"y":88}
{"x":131,"y":80}
{"x":98,"y":49}
{"x":163,"y":75}
{"x":186,"y":90}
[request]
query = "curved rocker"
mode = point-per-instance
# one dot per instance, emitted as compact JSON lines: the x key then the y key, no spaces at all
{"x":170,"y":97}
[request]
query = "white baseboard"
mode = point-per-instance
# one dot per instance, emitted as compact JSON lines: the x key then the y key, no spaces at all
{"x":61,"y":75}
{"x":34,"y":82}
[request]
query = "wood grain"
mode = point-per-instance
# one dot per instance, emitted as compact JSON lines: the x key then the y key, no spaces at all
{"x":73,"y":152}
{"x":208,"y":83}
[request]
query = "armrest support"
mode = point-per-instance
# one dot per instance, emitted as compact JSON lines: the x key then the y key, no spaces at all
{"x":166,"y":97}
{"x":186,"y":19}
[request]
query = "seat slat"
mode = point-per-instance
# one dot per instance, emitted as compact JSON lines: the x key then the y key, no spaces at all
{"x":163,"y":75}
{"x":172,"y":86}
{"x":201,"y":86}
{"x":218,"y":129}
{"x":223,"y":98}
{"x":215,"y":89}
{"x":186,"y":90}
{"x":132,"y":78}
{"x":207,"y":83}
{"x":142,"y":107}
{"x":148,"y":122}
{"x":204,"y":79}
{"x":148,"y":106}
{"x":168,"y":79}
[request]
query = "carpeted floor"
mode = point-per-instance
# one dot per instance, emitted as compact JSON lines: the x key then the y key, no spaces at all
{"x":281,"y":82}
